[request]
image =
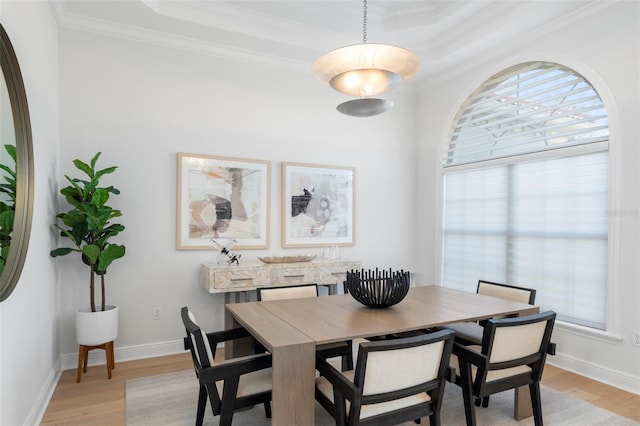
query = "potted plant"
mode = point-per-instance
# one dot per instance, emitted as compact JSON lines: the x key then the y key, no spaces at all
{"x":87,"y":226}
{"x":7,"y":205}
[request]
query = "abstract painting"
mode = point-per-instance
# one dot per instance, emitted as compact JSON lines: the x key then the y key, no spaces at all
{"x":222,"y":198}
{"x":317,"y":205}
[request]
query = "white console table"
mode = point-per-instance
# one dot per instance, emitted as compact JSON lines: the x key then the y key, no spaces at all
{"x":238,"y":280}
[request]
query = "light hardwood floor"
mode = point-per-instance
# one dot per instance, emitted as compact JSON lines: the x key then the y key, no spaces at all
{"x":99,"y":401}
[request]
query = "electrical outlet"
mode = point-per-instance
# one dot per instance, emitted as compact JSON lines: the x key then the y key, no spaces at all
{"x":156,"y":313}
{"x":636,"y":338}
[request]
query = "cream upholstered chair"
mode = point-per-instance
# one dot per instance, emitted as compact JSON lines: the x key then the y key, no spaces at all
{"x":471,"y":332}
{"x":288,"y":292}
{"x":231,"y":384}
{"x":394,"y":381}
{"x":512,"y":354}
{"x":330,"y":350}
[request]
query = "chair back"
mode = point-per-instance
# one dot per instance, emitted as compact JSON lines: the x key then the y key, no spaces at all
{"x":388,"y":370}
{"x":516,"y":345}
{"x":222,"y":380}
{"x":197,"y":342}
{"x":508,"y":292}
{"x":288,"y":292}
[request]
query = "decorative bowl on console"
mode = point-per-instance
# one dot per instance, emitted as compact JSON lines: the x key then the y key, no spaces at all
{"x":378,"y":288}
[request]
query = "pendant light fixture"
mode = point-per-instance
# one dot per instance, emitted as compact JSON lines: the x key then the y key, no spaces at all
{"x":365,"y":70}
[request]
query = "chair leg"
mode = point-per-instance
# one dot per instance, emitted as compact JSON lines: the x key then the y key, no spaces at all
{"x":347,"y":359}
{"x":339,"y":409}
{"x":267,"y":409}
{"x":202,"y":405}
{"x":434,"y":419}
{"x":466,"y":384}
{"x":485,"y":401}
{"x":536,"y":403}
{"x":228,"y":400}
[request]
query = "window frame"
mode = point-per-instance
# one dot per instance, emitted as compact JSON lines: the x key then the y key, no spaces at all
{"x":612,"y":333}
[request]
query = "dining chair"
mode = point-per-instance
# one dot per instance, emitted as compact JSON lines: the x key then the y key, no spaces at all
{"x":231,"y":384}
{"x":394,"y":381}
{"x":512,"y":354}
{"x":471,"y":332}
{"x":297,"y":291}
{"x":330,"y":350}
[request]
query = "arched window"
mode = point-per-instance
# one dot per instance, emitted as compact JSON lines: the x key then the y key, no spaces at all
{"x":526,"y":190}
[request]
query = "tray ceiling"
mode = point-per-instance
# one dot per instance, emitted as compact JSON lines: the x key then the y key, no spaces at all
{"x":293,"y":33}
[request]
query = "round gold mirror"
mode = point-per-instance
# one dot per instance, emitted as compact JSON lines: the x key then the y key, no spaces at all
{"x":16,"y":170}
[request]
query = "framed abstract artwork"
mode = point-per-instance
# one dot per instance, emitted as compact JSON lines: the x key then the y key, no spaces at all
{"x":222,"y":198}
{"x":317,"y":205}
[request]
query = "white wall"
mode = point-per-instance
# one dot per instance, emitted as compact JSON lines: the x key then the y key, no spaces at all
{"x":606,"y":50}
{"x":140,"y":105}
{"x":29,"y":349}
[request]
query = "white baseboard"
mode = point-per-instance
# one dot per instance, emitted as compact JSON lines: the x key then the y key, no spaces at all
{"x":602,"y":374}
{"x":70,"y":361}
{"x":575,"y":365}
{"x":46,"y":392}
{"x":127,"y":353}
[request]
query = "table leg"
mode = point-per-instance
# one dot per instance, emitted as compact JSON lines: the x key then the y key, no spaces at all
{"x":294,"y":384}
{"x":522,"y":404}
{"x":237,"y":347}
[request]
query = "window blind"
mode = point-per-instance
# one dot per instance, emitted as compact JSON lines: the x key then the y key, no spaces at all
{"x":537,"y":221}
{"x":538,"y":106}
{"x":542,"y":225}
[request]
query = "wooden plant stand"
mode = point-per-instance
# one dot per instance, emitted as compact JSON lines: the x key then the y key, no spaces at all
{"x":83,"y":357}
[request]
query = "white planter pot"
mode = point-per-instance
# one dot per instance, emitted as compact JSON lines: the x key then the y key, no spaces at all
{"x":96,"y":328}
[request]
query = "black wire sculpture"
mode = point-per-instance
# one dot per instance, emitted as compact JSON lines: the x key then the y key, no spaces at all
{"x":378,"y":288}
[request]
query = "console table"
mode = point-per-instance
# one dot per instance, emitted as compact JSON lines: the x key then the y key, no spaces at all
{"x":237,"y":280}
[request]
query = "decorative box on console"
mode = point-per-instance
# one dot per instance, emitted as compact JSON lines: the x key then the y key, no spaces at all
{"x":223,"y":278}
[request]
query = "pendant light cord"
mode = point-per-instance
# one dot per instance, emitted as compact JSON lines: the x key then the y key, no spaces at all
{"x":364,"y":21}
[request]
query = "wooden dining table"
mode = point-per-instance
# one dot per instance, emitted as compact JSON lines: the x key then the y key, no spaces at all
{"x":291,"y":329}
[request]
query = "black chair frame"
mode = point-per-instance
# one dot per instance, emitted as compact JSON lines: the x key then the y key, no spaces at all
{"x":229,"y":371}
{"x":532,"y":291}
{"x":344,"y":389}
{"x":480,"y":389}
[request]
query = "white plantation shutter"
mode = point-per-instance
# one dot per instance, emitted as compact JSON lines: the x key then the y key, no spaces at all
{"x":526,"y":198}
{"x":528,"y":108}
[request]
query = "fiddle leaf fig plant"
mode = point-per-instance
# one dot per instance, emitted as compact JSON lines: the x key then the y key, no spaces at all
{"x":87,"y":224}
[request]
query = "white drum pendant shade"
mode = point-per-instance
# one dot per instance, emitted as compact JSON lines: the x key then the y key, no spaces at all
{"x":365,"y":69}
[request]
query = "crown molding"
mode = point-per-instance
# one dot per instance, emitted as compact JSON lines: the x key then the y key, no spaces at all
{"x":469,"y":59}
{"x":138,"y":34}
{"x":449,"y":37}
